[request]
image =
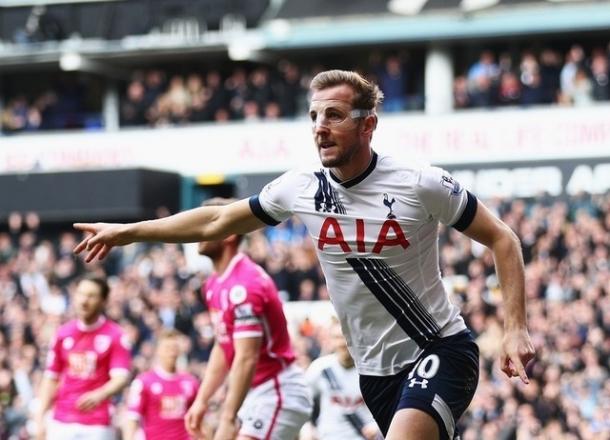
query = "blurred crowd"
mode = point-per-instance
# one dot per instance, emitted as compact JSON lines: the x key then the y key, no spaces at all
{"x":566,"y":245}
{"x":574,"y":78}
{"x":61,"y":106}
{"x":256,"y":91}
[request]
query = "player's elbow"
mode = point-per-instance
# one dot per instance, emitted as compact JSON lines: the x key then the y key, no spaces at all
{"x":217,"y":226}
{"x":507,"y":240}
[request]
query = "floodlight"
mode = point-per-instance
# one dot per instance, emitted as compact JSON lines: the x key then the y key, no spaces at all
{"x":475,"y":5}
{"x":406,"y":7}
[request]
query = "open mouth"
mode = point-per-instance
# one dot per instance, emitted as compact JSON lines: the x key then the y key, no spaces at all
{"x":326,"y":144}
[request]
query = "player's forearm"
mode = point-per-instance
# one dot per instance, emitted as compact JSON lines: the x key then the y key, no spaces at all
{"x":194,"y":225}
{"x":240,"y":379}
{"x":130,"y":429}
{"x":113,"y":386}
{"x":509,"y":267}
{"x":199,"y":224}
{"x":48,"y":390}
{"x":215,"y":374}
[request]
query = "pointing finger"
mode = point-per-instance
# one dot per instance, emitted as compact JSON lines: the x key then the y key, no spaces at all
{"x":85,"y":227}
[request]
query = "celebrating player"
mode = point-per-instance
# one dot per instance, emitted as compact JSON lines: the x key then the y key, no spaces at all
{"x":88,"y":363}
{"x":374,"y":221}
{"x":160,"y":397}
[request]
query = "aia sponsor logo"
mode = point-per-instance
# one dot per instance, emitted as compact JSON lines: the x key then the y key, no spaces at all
{"x":390,"y":234}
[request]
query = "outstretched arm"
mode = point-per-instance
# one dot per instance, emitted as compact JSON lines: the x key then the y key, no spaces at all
{"x":517,"y":349}
{"x":199,"y":224}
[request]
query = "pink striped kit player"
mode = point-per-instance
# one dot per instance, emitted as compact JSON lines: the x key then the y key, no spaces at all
{"x":88,"y":363}
{"x":160,"y":397}
{"x":267,"y":396}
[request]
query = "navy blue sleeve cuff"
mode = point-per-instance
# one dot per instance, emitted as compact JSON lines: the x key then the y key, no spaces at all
{"x":257,"y":210}
{"x":468,"y":215}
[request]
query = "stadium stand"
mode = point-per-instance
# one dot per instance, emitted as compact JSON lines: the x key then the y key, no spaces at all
{"x":224,"y":84}
{"x":566,"y":249}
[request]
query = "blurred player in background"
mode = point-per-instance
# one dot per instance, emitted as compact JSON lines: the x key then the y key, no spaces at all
{"x":159,"y":398}
{"x":334,"y":381}
{"x":375,"y":222}
{"x":88,"y":363}
{"x":267,"y":396}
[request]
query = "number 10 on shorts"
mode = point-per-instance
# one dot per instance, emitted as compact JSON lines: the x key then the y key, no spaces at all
{"x":423,"y":370}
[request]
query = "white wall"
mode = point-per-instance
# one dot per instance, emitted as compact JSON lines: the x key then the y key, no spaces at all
{"x":240,"y":148}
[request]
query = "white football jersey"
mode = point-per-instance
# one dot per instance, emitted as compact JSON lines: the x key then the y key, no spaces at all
{"x":343,"y":412}
{"x":377,"y":241}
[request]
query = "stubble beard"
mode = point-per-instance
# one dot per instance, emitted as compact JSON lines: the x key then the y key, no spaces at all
{"x":342,"y":159}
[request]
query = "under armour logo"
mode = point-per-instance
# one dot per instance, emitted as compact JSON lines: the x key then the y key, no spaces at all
{"x":422,"y":383}
{"x":387,"y":202}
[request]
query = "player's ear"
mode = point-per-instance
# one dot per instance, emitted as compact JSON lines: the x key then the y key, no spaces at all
{"x":232,"y":239}
{"x":369,"y":124}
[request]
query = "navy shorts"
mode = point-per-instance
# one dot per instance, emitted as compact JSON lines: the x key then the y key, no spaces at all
{"x":441,"y":383}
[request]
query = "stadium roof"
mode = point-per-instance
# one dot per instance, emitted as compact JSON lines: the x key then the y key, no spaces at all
{"x":299,"y":9}
{"x":316,"y":23}
{"x":310,"y":24}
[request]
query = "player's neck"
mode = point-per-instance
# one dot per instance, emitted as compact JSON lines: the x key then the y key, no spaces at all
{"x":166,"y":370}
{"x":222,"y":262}
{"x":91,"y":323}
{"x":358,"y":165}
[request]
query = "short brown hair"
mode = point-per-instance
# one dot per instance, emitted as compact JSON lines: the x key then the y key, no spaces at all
{"x":367,"y":94}
{"x":100,"y":282}
{"x":168,"y":333}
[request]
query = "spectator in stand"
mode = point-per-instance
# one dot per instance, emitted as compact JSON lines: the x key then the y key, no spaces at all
{"x":392,"y":79}
{"x":509,"y":90}
{"x":154,"y":81}
{"x":19,"y":116}
{"x":251,"y":112}
{"x":600,"y":72}
{"x":461,"y":95}
{"x":582,"y":89}
{"x":290,"y":92}
{"x":272,"y":111}
{"x":531,"y":81}
{"x":197,"y":98}
{"x":259,"y":90}
{"x":216,"y":97}
{"x":550,"y":71}
{"x":133,"y":109}
{"x":237,"y":92}
{"x":482,"y":79}
{"x":574,"y":61}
